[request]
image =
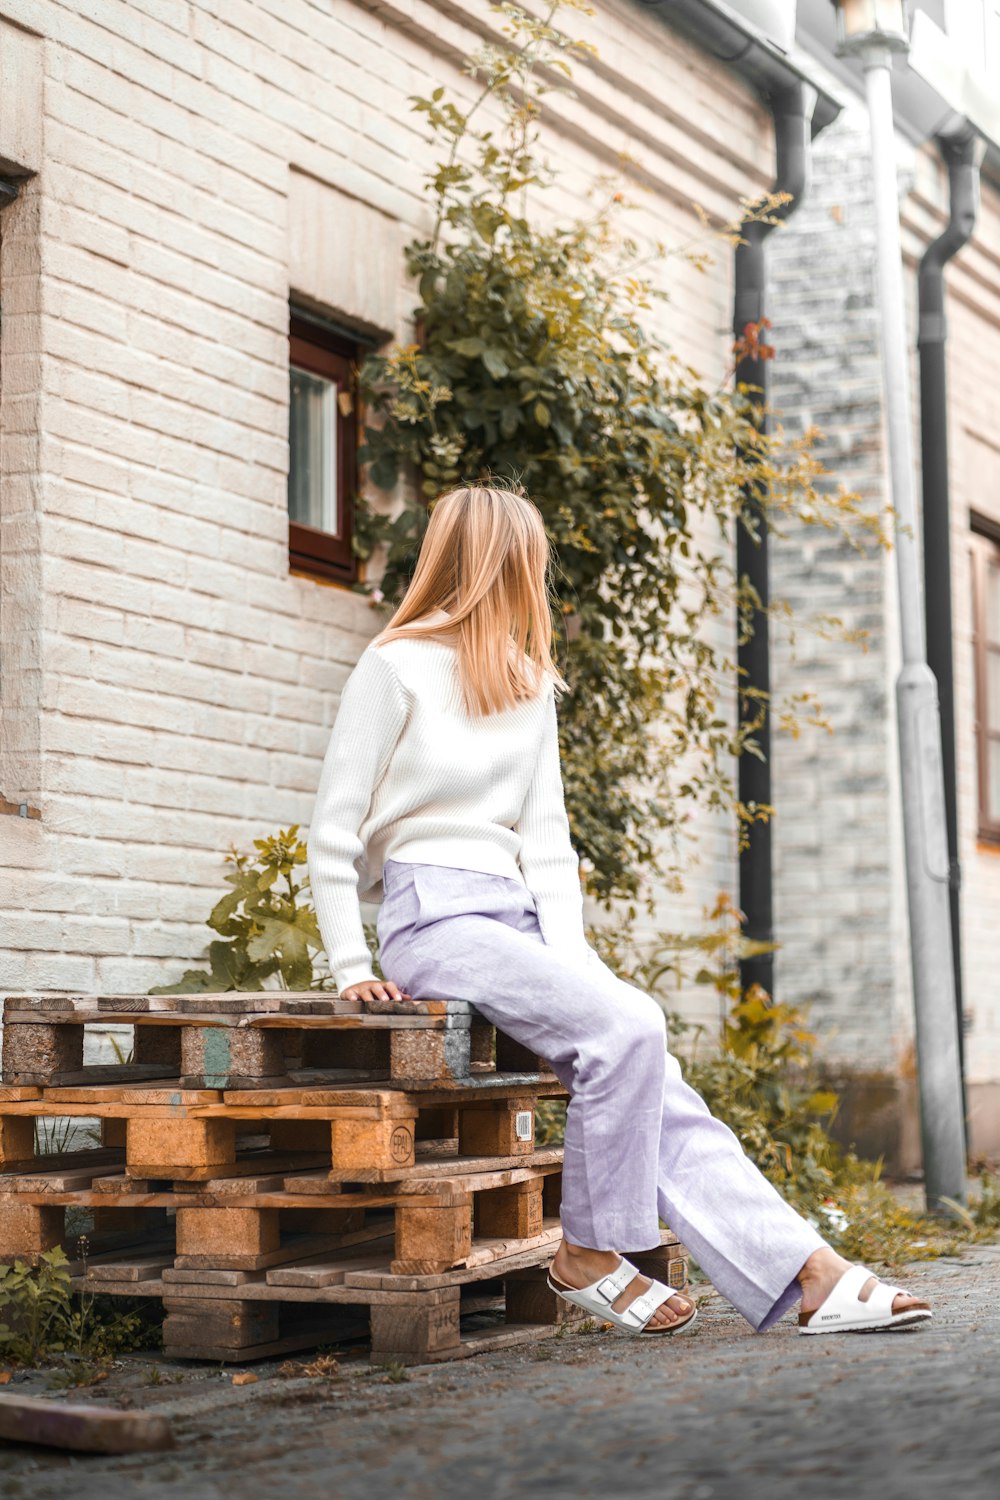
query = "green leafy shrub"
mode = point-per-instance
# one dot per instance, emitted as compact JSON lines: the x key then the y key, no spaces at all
{"x":535,"y":363}
{"x":35,"y":1308}
{"x":267,"y":930}
{"x":43,"y":1321}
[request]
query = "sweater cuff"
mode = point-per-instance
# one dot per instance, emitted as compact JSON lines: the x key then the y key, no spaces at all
{"x":354,"y":974}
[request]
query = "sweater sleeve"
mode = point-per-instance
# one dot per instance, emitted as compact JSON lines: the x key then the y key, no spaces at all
{"x":372,"y":713}
{"x":550,"y":864}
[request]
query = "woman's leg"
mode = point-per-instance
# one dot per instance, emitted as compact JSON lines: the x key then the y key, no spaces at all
{"x":608,"y":1049}
{"x":640,"y":1144}
{"x":750,"y":1243}
{"x":611,"y":1055}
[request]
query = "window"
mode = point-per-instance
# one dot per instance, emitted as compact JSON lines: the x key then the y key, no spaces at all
{"x":322,"y":451}
{"x":986,"y":641}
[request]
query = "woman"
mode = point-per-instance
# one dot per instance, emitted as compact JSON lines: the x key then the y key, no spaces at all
{"x":441,"y":795}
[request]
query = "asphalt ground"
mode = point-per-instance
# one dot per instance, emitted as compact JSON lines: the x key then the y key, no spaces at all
{"x":716,"y":1413}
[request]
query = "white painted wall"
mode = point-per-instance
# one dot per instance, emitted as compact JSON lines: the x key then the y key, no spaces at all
{"x":168,"y":685}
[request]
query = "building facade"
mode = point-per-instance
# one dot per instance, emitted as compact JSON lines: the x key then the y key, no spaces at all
{"x":840,"y":886}
{"x":213,"y":206}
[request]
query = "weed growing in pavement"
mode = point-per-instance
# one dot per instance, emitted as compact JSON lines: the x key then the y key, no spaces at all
{"x":44,"y":1323}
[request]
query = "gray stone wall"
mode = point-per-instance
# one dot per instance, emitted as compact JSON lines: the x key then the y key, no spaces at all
{"x":837,"y":901}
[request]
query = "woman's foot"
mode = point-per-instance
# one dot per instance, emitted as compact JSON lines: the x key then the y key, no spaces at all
{"x":820,"y":1275}
{"x":577,"y":1267}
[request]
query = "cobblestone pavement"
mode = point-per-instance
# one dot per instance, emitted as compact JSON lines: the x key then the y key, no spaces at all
{"x":717,"y":1414}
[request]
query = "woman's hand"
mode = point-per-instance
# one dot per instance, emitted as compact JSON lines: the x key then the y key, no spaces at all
{"x":374,"y":989}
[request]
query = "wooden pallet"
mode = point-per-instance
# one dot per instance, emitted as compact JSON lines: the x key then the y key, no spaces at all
{"x":233,"y":1041}
{"x":244,"y":1223}
{"x":361,"y":1134}
{"x":327,"y":1299}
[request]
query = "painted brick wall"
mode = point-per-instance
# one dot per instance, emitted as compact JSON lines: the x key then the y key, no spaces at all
{"x":838,"y":912}
{"x":175,"y":684}
{"x":840,"y":879}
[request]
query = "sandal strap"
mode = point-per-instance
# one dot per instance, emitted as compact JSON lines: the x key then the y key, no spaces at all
{"x":610,"y":1287}
{"x":882,"y":1298}
{"x":642,"y":1308}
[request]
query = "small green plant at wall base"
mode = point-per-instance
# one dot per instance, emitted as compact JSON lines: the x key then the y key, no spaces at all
{"x":35,"y":1308}
{"x":267,"y":929}
{"x":42,"y":1321}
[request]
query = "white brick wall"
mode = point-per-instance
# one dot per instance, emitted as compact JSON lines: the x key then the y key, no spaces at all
{"x":840,"y":893}
{"x":168,"y":686}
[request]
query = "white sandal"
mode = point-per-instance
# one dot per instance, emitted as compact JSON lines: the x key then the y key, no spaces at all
{"x":844,"y":1312}
{"x":599,"y":1296}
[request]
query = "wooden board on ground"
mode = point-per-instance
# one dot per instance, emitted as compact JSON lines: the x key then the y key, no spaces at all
{"x":82,"y":1429}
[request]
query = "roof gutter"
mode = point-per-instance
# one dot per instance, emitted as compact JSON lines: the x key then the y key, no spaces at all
{"x":962,"y":153}
{"x":729,"y":38}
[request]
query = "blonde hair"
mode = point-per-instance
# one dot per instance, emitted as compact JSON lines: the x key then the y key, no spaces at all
{"x":486,"y":560}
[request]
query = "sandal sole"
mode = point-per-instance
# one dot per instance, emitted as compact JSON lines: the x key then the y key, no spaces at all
{"x":617,"y":1327}
{"x":899,"y":1324}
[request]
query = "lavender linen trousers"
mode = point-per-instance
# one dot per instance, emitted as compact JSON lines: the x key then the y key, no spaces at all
{"x":640,"y":1145}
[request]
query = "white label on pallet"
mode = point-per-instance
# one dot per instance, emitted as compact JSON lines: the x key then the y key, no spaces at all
{"x":524,"y":1125}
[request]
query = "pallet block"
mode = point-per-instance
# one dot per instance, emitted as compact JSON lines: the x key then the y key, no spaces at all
{"x":512,"y":1057}
{"x":33,"y":1054}
{"x":363,"y":1051}
{"x":160,"y":1045}
{"x":114,"y":1133}
{"x":299,"y":1135}
{"x":173,"y":1148}
{"x":514,"y":1212}
{"x":227,"y":1057}
{"x":28,"y":1230}
{"x":383,"y":1138}
{"x":497,"y":1128}
{"x":430,"y":1055}
{"x":425,"y":1331}
{"x":432,"y":1238}
{"x":231,"y":1324}
{"x":17,"y":1141}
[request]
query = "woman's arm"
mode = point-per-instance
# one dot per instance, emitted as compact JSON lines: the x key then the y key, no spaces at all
{"x":550,"y":864}
{"x":372,"y":713}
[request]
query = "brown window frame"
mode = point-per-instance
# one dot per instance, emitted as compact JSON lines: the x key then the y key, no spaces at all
{"x":985,"y":546}
{"x":317,"y":349}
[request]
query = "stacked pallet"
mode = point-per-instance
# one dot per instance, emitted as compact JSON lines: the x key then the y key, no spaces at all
{"x":285,"y":1170}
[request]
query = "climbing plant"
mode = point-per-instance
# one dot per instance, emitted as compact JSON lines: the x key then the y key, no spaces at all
{"x":536,"y":361}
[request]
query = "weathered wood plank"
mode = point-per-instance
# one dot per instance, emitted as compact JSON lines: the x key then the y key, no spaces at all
{"x":435,"y":1167}
{"x":83,"y":1429}
{"x":132,"y":1268}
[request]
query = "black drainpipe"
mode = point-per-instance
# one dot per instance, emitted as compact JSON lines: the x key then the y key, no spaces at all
{"x":792,"y":109}
{"x":962,"y":156}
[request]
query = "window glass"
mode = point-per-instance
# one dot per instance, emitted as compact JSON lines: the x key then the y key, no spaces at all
{"x":992,"y":715}
{"x":991,"y":603}
{"x":312,"y":441}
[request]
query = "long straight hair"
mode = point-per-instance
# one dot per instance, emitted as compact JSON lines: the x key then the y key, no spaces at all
{"x":485,"y":559}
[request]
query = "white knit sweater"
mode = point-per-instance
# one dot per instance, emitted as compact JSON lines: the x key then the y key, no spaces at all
{"x":410,"y":775}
